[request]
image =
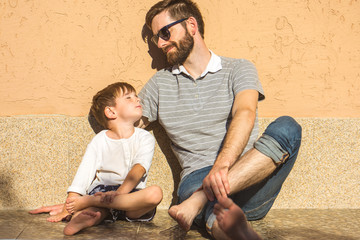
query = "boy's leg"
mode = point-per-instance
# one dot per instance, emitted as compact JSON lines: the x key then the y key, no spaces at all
{"x":84,"y":219}
{"x":139,"y":202}
{"x":59,"y":216}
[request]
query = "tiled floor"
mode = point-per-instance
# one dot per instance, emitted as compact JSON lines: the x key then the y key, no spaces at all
{"x":278,"y":224}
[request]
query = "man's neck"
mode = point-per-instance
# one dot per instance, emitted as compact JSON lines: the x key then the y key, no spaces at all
{"x":198,"y":60}
{"x":120,"y":130}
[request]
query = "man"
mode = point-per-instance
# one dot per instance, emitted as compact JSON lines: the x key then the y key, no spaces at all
{"x":208,"y":106}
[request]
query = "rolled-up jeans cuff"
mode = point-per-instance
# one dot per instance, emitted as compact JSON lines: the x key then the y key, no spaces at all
{"x":271,"y":148}
{"x":210,"y":222}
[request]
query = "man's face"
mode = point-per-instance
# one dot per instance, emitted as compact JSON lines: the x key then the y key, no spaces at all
{"x":179,"y":51}
{"x":179,"y":46}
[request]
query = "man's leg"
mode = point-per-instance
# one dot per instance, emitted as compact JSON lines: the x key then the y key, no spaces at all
{"x":232,"y":221}
{"x":191,"y":202}
{"x":280,"y":145}
{"x":256,"y":172}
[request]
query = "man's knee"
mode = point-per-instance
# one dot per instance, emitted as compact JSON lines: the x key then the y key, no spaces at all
{"x":281,"y":139}
{"x":284,"y":128}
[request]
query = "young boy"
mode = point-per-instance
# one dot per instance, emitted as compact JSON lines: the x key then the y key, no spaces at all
{"x":111,"y":179}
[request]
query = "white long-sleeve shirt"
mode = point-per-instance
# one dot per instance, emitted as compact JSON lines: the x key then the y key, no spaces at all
{"x":108,"y":161}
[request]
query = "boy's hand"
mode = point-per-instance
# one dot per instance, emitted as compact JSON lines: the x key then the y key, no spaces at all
{"x":106,"y":197}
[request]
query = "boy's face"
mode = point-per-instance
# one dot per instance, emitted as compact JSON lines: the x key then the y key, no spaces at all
{"x":128,"y":107}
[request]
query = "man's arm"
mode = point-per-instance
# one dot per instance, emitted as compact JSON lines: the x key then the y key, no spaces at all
{"x":142,"y":123}
{"x":244,"y":114}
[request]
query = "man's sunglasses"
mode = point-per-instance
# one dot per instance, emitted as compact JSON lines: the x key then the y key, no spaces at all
{"x":164,"y":32}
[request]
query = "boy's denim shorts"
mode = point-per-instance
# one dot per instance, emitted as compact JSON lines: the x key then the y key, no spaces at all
{"x":120,"y":214}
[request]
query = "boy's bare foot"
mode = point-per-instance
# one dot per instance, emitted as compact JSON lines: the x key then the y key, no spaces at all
{"x":58,"y":217}
{"x":74,"y":204}
{"x":232,"y":220}
{"x":186,"y":212}
{"x":52,"y":210}
{"x":83,"y":220}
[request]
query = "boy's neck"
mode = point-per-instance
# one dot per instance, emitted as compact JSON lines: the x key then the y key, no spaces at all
{"x":120,"y":130}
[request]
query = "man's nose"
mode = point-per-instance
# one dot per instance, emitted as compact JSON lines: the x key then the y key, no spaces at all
{"x":161,"y":43}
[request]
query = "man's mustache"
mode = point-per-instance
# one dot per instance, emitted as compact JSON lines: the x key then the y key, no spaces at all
{"x":172,"y":44}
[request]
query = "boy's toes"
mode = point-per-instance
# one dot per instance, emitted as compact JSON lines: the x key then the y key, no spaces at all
{"x":69,"y":209}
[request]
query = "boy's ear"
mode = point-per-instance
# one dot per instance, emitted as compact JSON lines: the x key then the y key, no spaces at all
{"x":109,"y":113}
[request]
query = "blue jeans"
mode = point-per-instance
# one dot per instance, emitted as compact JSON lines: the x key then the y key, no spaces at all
{"x":281,"y":142}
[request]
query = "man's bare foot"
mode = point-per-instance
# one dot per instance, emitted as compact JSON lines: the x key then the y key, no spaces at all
{"x":232,"y":220}
{"x":74,"y":204}
{"x":83,"y":220}
{"x":52,"y":210}
{"x":58,"y":217}
{"x":186,"y":212}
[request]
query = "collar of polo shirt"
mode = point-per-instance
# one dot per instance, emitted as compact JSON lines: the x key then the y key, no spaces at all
{"x":213,"y":66}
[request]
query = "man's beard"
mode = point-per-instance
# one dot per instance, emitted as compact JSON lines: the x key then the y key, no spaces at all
{"x":182,"y":50}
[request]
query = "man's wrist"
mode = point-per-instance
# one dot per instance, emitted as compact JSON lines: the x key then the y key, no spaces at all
{"x":225,"y":159}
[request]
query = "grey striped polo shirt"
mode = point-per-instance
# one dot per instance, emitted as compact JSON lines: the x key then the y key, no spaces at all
{"x":196,"y":112}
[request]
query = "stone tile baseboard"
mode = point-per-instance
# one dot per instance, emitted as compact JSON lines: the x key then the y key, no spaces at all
{"x":39,"y":156}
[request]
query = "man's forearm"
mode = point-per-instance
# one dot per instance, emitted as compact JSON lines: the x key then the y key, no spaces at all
{"x":142,"y":122}
{"x":237,"y":137}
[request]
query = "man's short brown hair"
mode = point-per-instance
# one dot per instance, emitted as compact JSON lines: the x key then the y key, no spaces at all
{"x":107,"y":98}
{"x":178,"y":9}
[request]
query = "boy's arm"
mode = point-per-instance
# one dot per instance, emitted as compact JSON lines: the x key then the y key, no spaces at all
{"x":63,"y":214}
{"x":70,"y":194}
{"x":132,"y":179}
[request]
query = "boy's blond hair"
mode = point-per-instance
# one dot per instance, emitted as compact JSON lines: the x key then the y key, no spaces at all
{"x":106,"y":98}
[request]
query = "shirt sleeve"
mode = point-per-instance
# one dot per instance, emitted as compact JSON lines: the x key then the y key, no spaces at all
{"x":85,"y":173}
{"x":149,"y":96}
{"x":245,"y":77}
{"x":145,"y":151}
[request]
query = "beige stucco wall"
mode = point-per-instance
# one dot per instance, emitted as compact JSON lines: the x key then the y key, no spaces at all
{"x":54,"y":55}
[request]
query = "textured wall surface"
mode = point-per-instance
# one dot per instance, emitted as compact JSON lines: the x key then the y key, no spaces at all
{"x":55,"y":55}
{"x":39,"y":156}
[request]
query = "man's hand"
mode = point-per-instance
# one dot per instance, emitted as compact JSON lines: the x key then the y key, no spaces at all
{"x":106,"y":197}
{"x":216,"y":183}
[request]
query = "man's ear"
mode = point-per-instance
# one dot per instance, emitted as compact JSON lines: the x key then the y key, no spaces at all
{"x":192,"y":25}
{"x":109,"y":113}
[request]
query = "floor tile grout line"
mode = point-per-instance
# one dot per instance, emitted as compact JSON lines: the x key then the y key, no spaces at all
{"x":17,"y":237}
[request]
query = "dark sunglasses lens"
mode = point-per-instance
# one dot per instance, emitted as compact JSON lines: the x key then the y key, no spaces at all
{"x":164,"y":34}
